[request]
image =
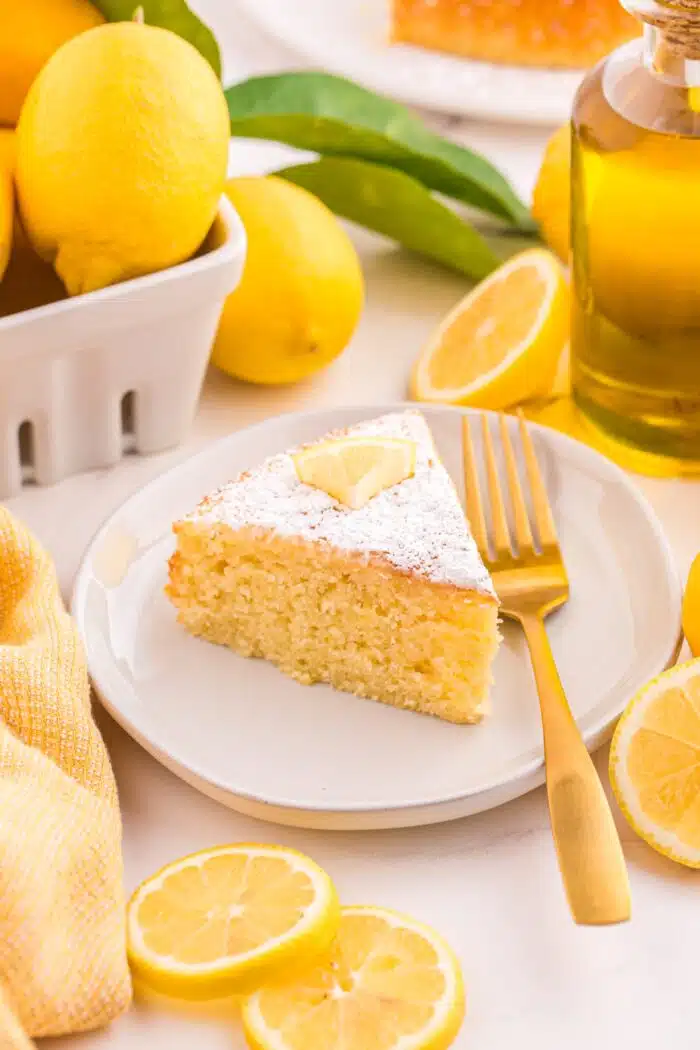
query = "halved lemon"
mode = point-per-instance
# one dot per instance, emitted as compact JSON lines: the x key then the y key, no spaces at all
{"x":354,"y":470}
{"x":503,"y":342}
{"x":222,"y":921}
{"x":389,"y":983}
{"x":655,"y":763}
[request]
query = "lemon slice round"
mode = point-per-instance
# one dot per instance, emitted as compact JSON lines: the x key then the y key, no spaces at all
{"x":389,"y":983}
{"x":502,"y":344}
{"x":655,"y":763}
{"x":223,"y":921}
{"x":354,"y":470}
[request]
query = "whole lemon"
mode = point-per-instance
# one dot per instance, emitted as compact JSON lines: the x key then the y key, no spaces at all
{"x":6,"y":196}
{"x":691,"y":608}
{"x":122,"y":148}
{"x":302,"y":290}
{"x":28,"y":281}
{"x":30,"y":32}
{"x":550,"y":201}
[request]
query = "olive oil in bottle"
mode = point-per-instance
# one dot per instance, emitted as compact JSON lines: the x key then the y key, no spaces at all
{"x":636,"y":243}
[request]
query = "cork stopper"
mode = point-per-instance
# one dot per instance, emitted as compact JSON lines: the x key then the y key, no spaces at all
{"x":678,"y":21}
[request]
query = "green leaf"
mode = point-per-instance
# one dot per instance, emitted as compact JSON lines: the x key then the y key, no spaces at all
{"x":333,"y":116}
{"x":169,"y":14}
{"x":392,"y":203}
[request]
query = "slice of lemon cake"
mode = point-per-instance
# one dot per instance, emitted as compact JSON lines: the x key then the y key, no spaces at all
{"x":364,"y":574}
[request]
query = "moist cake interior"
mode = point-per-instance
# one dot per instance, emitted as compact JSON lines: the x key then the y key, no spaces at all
{"x":390,"y":602}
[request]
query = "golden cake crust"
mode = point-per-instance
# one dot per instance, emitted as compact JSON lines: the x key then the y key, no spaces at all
{"x":546,"y":33}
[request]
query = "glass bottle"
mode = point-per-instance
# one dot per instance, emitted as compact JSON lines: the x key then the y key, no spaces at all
{"x":636,"y":243}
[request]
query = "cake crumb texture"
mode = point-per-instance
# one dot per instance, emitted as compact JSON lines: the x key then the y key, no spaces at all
{"x":320,"y":617}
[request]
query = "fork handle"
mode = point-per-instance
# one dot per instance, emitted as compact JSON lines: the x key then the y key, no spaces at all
{"x":590,"y":856}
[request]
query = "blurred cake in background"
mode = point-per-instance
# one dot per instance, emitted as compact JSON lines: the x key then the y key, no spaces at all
{"x":554,"y":33}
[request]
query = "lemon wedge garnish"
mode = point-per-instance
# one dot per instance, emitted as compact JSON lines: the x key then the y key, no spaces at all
{"x":354,"y":470}
{"x":655,"y":763}
{"x":223,"y":921}
{"x":503,"y":342}
{"x":388,"y":982}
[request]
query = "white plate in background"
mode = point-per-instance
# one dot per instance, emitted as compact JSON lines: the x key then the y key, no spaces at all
{"x":244,"y":733}
{"x":350,"y":37}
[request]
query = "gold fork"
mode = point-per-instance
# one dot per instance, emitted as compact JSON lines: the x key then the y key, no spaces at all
{"x":531,"y":581}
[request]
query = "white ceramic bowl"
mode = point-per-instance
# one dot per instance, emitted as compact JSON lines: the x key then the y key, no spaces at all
{"x":89,"y":378}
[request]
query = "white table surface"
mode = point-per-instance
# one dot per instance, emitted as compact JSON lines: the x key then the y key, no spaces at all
{"x":489,"y":883}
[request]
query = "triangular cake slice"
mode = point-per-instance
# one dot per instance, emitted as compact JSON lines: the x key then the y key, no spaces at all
{"x":390,"y":601}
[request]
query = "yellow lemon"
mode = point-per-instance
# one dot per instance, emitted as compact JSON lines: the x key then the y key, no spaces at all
{"x":28,"y":281}
{"x":691,"y":608}
{"x":302,"y":291}
{"x":122,"y":154}
{"x":30,"y":32}
{"x":7,"y":197}
{"x":655,"y":763}
{"x":8,"y":149}
{"x":503,"y":343}
{"x":354,"y":470}
{"x":225,"y":920}
{"x":550,"y":202}
{"x":389,"y":983}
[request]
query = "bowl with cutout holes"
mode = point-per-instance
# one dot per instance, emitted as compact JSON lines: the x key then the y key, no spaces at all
{"x":85,"y":380}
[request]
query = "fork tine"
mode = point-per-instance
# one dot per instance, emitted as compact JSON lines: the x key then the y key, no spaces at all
{"x":540,"y":502}
{"x":521,"y":520}
{"x":501,"y":532}
{"x":475,"y":506}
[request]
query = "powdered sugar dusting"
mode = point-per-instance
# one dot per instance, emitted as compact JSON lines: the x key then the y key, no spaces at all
{"x":417,"y":525}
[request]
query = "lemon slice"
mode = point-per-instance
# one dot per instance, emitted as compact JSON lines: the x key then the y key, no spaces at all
{"x":503,"y":342}
{"x":655,"y":763}
{"x":222,"y":921}
{"x":389,"y":983}
{"x":354,"y":470}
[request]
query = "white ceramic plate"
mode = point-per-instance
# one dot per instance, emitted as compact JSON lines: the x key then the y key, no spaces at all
{"x":350,"y":37}
{"x":246,"y":734}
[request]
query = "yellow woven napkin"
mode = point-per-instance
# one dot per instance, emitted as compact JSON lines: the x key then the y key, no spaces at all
{"x":62,"y":939}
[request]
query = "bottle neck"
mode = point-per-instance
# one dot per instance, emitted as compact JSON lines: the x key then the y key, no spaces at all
{"x":664,"y":59}
{"x":671,"y":38}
